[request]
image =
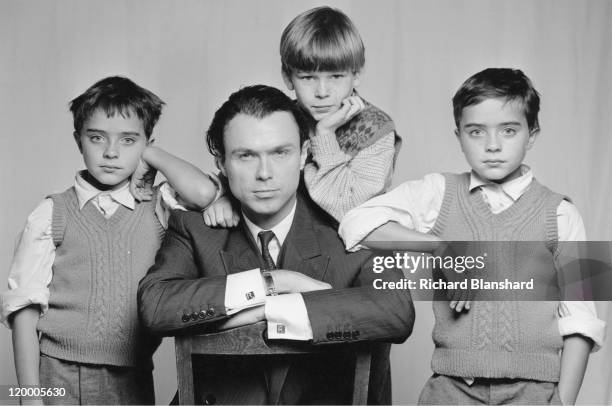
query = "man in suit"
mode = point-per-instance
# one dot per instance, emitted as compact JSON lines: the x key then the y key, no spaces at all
{"x":283,"y":264}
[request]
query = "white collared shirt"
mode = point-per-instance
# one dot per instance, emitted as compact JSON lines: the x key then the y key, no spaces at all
{"x":30,"y":272}
{"x":286,"y":314}
{"x":280,"y":232}
{"x":416,"y":205}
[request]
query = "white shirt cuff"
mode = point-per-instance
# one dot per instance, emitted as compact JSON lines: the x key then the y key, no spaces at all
{"x":17,"y":299}
{"x":359,"y":223}
{"x":288,"y":318}
{"x":243,"y":290}
{"x":581,"y":318}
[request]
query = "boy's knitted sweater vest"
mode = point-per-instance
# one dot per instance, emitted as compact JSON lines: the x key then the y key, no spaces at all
{"x":501,"y":339}
{"x":363,"y":130}
{"x":93,"y":315}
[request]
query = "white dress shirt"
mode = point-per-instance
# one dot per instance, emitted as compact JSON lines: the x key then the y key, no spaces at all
{"x":286,"y":313}
{"x":31,"y":269}
{"x":416,"y":205}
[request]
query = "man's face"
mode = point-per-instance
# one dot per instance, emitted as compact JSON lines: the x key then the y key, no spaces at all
{"x":111,"y":147}
{"x":494,"y":137}
{"x":263,"y":160}
{"x":321,"y":93}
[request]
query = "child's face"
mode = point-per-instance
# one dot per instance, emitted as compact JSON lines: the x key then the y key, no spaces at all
{"x":111,"y":147}
{"x":494,"y":137}
{"x":321,"y":93}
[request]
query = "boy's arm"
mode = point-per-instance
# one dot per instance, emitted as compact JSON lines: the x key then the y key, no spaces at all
{"x":574,"y":359}
{"x":194,"y":187}
{"x":394,"y":236}
{"x":405,"y":213}
{"x":25,"y":346}
{"x":338,"y":182}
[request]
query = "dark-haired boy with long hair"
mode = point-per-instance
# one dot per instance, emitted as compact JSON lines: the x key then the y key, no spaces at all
{"x":73,"y":280}
{"x":492,"y":352}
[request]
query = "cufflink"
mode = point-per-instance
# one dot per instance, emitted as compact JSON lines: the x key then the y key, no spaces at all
{"x":250,"y":295}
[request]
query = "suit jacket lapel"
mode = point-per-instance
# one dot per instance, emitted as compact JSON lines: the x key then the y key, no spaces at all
{"x":241,"y":252}
{"x":302,"y":252}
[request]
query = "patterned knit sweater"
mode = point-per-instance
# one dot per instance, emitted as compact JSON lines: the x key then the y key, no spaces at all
{"x":92,"y":316}
{"x":356,"y":165}
{"x":501,"y":339}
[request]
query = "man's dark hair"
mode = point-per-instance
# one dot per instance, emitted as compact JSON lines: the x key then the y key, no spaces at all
{"x":257,"y":101}
{"x":120,"y":95}
{"x":494,"y":83}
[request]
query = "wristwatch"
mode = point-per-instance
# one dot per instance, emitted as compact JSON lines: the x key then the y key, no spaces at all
{"x":269,"y":283}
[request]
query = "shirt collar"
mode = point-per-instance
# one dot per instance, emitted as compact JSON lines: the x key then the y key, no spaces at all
{"x":513,"y":188}
{"x":280,"y":230}
{"x":85,"y":192}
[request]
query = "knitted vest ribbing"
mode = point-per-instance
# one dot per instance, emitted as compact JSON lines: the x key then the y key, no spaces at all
{"x":501,"y":339}
{"x":92,"y":316}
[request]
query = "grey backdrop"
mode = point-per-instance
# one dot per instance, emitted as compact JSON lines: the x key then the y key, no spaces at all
{"x":194,"y":53}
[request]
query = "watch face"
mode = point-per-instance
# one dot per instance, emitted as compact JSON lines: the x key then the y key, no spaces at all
{"x":269,"y":281}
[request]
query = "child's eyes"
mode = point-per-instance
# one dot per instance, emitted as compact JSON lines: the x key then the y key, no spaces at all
{"x":338,"y":75}
{"x":305,"y":77}
{"x":96,"y":138}
{"x":476,"y":133}
{"x":128,"y":141}
{"x":508,"y":132}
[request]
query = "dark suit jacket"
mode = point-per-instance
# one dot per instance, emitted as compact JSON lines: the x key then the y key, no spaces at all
{"x":184,"y":292}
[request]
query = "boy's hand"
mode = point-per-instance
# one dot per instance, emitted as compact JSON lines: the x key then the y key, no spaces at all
{"x":141,"y":184}
{"x":351,"y":106}
{"x":460,"y":299}
{"x":221,"y":213}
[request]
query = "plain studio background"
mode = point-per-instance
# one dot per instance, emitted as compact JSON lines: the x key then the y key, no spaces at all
{"x":193,"y":54}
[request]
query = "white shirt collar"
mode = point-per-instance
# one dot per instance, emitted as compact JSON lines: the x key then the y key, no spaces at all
{"x":280,"y":230}
{"x":85,"y":192}
{"x":513,"y":188}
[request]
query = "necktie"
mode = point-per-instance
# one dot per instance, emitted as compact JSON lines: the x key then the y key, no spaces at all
{"x":265,"y":237}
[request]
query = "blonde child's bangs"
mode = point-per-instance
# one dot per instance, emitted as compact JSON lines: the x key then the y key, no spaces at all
{"x":327,"y":51}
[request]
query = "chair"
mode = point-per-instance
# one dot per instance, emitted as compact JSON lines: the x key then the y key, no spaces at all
{"x":248,"y":340}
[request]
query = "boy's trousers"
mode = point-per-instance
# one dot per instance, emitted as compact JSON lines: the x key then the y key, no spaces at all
{"x":91,"y":384}
{"x":450,"y":390}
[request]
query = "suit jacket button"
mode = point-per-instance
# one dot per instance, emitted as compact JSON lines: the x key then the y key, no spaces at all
{"x":210,"y":312}
{"x":209,"y":399}
{"x":330,"y":336}
{"x":202,"y":314}
{"x":346,"y":335}
{"x":338,"y":335}
{"x":194,"y":316}
{"x":185,"y":318}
